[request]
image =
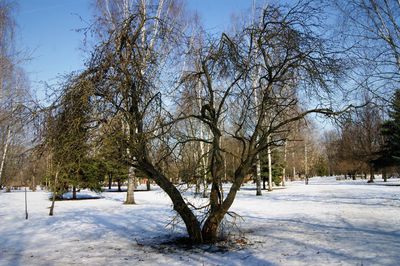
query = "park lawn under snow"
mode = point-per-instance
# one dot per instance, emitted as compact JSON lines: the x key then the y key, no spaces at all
{"x":327,"y":222}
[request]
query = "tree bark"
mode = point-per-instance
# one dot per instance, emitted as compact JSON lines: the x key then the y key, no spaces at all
{"x":54,"y":195}
{"x":119,"y":184}
{"x":305,"y":163}
{"x":109,"y":181}
{"x":193,"y":226}
{"x":258,"y":176}
{"x":371,"y":177}
{"x":212,"y":223}
{"x":74,"y":192}
{"x":284,"y":167}
{"x":3,"y":159}
{"x":148,"y":188}
{"x":269,"y":166}
{"x":33,"y":183}
{"x":130,"y":196}
{"x":294,"y":167}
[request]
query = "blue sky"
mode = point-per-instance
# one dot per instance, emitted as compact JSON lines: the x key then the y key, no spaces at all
{"x":47,"y":31}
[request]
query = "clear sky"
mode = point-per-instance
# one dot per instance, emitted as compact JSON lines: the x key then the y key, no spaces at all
{"x":47,"y":30}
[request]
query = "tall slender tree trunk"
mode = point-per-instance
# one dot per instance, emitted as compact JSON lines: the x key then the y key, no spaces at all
{"x":54,"y":195}
{"x":284,"y":162}
{"x":258,"y":176}
{"x":294,"y":167}
{"x":74,"y":192}
{"x":203,"y":157}
{"x":197,"y":186}
{"x":269,"y":165}
{"x":119,"y":185}
{"x":109,"y":181}
{"x":258,"y":163}
{"x":264,"y":181}
{"x":305,"y":163}
{"x":3,"y":158}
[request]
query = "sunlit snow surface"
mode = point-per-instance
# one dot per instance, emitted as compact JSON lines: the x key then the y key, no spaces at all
{"x":327,"y":222}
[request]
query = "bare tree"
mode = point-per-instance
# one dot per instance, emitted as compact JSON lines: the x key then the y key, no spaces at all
{"x":135,"y":73}
{"x":371,"y":32}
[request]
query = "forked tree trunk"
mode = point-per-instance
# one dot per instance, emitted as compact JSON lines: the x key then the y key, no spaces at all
{"x":212,"y":223}
{"x":193,"y":226}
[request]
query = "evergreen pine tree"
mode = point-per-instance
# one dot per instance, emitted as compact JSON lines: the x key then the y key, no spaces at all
{"x":390,"y":154}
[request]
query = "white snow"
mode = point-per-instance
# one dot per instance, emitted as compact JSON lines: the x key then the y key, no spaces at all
{"x":327,"y":222}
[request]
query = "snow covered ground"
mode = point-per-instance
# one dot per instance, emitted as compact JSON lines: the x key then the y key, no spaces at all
{"x":328,"y":222}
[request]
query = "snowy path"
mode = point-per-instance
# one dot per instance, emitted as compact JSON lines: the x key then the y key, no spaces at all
{"x":325,"y":223}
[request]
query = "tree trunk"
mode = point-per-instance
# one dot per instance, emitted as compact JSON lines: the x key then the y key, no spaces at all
{"x":197,"y":187}
{"x":210,"y":229}
{"x":3,"y":159}
{"x":294,"y":167}
{"x":33,"y":183}
{"x":305,"y":163}
{"x":284,"y":162}
{"x":384,"y":175}
{"x":109,"y":181}
{"x":74,"y":192}
{"x":193,"y":226}
{"x":148,"y":185}
{"x":258,"y":176}
{"x":54,"y":195}
{"x":119,"y":184}
{"x":130,"y":197}
{"x":269,"y":167}
{"x":205,"y":186}
{"x":212,"y":223}
{"x":371,"y":177}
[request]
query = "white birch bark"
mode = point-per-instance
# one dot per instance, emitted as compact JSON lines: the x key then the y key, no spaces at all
{"x":284,"y":167}
{"x":4,"y":156}
{"x":269,"y":164}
